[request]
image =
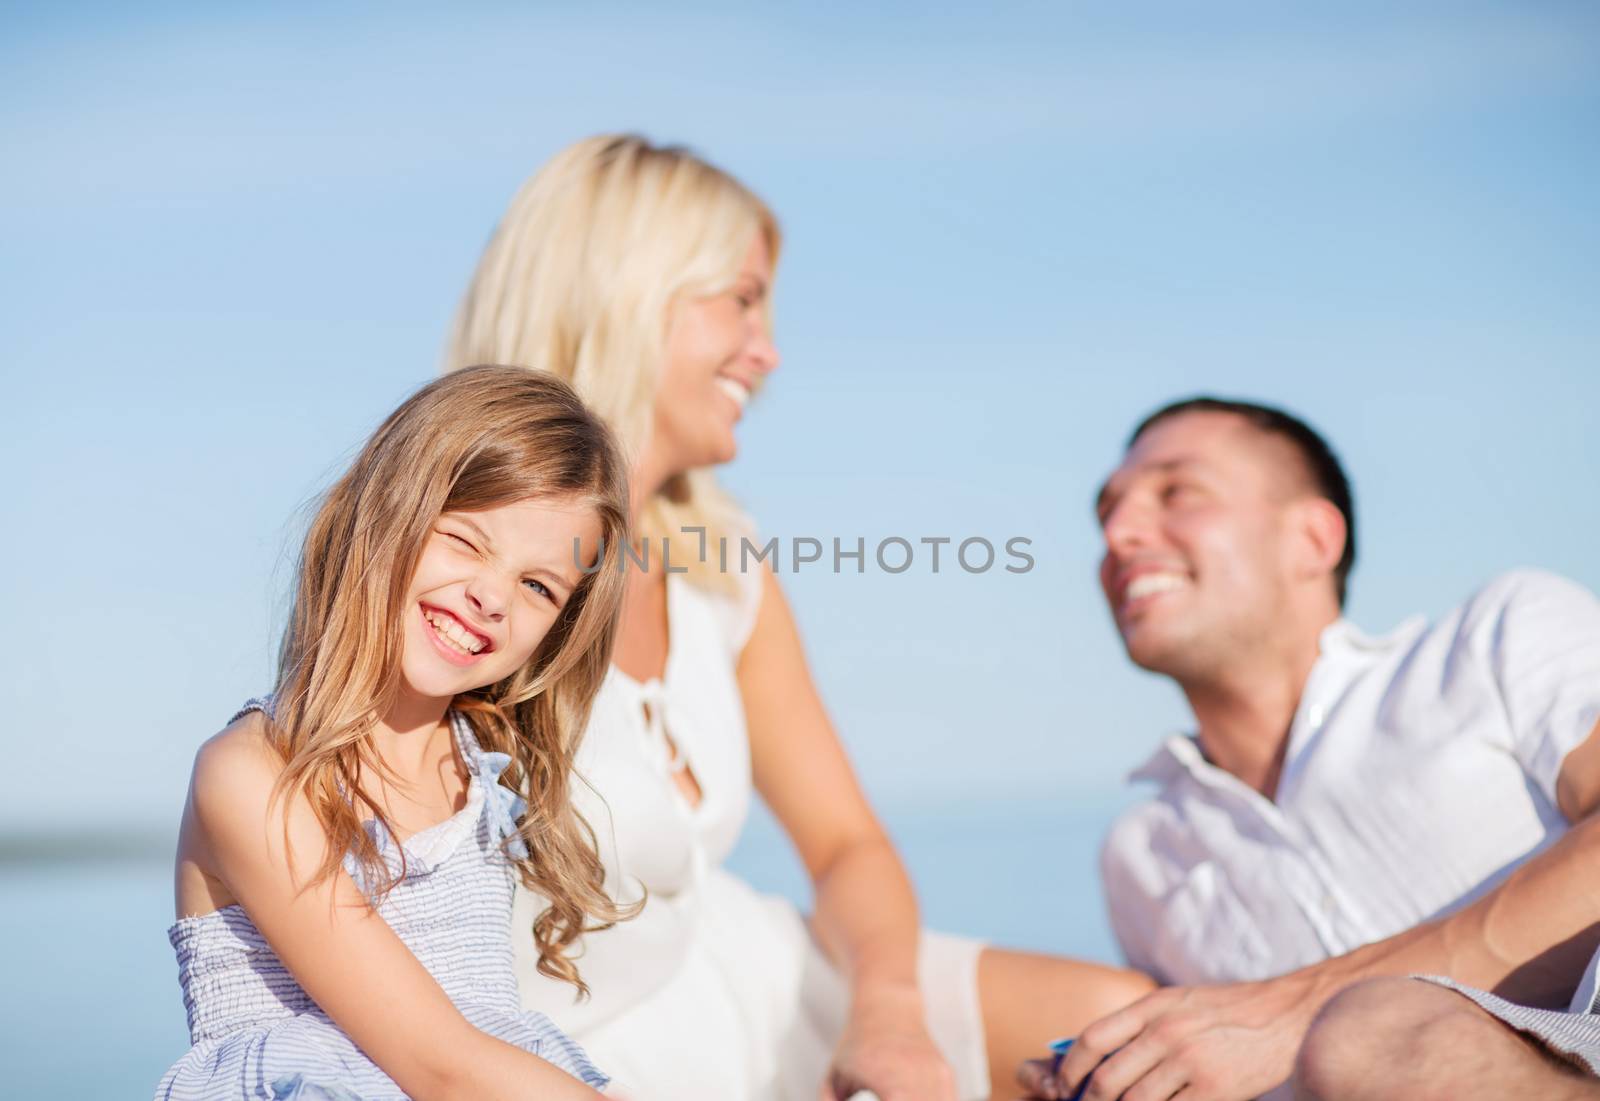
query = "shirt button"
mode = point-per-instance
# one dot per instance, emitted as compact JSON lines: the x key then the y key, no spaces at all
{"x":1315,"y":714}
{"x":1328,"y":903}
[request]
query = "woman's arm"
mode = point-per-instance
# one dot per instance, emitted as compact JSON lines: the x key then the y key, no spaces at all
{"x":866,"y":913}
{"x":343,"y":954}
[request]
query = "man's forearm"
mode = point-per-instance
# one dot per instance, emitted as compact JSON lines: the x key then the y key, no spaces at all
{"x":1527,"y":940}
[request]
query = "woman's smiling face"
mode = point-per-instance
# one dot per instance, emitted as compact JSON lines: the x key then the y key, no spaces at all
{"x":718,"y":350}
{"x":487,"y":589}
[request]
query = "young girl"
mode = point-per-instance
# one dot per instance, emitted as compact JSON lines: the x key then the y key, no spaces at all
{"x":345,"y":865}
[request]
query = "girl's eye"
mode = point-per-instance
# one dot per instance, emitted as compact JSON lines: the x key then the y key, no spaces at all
{"x":1177,"y":491}
{"x":458,"y":539}
{"x":540,"y":589}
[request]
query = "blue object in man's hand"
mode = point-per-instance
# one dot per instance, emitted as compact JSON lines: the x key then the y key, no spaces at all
{"x":1059,"y":1049}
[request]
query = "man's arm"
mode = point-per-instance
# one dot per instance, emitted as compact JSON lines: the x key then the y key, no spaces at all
{"x":1527,"y":940}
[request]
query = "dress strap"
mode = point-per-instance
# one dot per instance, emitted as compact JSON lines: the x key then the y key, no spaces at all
{"x":262,"y":704}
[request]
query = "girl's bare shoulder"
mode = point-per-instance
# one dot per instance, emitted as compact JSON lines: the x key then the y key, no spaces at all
{"x":235,"y":771}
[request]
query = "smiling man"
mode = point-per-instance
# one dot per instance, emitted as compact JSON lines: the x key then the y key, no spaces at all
{"x":1349,"y":806}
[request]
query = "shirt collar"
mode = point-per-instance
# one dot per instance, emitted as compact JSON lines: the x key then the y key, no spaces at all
{"x":1179,"y":754}
{"x":1341,"y":634}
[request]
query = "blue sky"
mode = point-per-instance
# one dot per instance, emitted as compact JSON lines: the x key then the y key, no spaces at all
{"x":233,"y":240}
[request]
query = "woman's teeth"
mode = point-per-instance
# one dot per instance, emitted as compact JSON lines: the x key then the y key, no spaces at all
{"x":452,"y":633}
{"x":734,"y":389}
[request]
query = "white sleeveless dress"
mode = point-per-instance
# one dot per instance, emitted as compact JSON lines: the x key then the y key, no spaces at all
{"x":715,"y":990}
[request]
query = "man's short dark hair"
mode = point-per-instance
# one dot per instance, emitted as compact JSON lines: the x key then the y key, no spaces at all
{"x":1327,"y":475}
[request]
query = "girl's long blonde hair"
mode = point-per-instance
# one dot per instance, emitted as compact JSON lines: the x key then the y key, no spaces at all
{"x":578,"y":280}
{"x":473,"y":440}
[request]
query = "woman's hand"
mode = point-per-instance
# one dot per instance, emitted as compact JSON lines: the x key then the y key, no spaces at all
{"x":886,"y":1049}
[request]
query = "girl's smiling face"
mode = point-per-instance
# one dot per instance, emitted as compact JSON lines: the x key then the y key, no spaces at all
{"x":487,"y":589}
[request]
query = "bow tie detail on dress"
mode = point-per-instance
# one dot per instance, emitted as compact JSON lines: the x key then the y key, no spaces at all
{"x":659,"y":745}
{"x":502,"y":805}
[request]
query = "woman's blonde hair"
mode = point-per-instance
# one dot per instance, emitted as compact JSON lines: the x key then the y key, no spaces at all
{"x":473,"y":440}
{"x":578,"y":280}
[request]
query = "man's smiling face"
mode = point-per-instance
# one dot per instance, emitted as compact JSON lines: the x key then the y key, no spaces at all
{"x":1196,"y":527}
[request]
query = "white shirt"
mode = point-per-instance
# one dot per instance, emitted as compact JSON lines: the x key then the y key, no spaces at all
{"x":1421,"y":768}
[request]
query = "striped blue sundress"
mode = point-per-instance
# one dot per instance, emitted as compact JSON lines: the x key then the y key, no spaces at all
{"x":258,"y":1035}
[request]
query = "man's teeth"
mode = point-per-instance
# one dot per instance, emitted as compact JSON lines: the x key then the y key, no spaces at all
{"x":1150,"y":583}
{"x":734,"y":389}
{"x":453,"y":633}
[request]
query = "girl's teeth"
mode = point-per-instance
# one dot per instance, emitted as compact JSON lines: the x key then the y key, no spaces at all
{"x":453,"y":633}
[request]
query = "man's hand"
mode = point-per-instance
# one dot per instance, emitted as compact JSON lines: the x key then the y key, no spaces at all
{"x":886,"y":1049}
{"x":1200,"y":1043}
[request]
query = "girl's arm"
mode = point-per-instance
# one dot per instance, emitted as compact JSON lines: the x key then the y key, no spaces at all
{"x":866,"y":913}
{"x":344,"y":955}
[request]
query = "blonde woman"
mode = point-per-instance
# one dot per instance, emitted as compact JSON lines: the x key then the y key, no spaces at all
{"x":641,"y":274}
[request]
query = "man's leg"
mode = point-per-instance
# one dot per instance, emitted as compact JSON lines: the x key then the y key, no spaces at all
{"x":1403,"y":1038}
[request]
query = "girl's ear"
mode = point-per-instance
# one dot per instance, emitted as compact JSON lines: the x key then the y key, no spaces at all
{"x":1322,"y":532}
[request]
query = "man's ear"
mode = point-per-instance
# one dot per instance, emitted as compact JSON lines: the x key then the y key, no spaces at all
{"x":1322,"y":532}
